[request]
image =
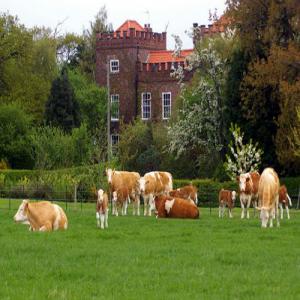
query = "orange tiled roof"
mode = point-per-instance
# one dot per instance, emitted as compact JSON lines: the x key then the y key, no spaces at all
{"x":167,"y":56}
{"x":130,"y":24}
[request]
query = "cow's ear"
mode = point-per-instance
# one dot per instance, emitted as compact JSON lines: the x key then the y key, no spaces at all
{"x":25,"y":202}
{"x":247,"y":179}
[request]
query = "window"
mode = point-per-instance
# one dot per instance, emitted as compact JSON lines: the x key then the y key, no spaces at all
{"x":114,"y":66}
{"x":166,"y":105}
{"x":114,"y":139}
{"x":146,"y":106}
{"x":114,"y":105}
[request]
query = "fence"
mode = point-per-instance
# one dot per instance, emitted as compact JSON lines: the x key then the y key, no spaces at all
{"x":74,"y":197}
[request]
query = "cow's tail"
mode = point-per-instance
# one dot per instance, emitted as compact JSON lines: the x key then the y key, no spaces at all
{"x":290,"y":201}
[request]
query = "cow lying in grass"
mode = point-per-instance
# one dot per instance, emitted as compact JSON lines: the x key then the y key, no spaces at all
{"x":42,"y":216}
{"x":170,"y":207}
{"x":186,"y":192}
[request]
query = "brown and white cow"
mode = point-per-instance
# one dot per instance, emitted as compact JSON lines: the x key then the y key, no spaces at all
{"x":268,"y":193}
{"x":153,"y":184}
{"x":186,"y":192}
{"x":172,"y":207}
{"x":248,"y":190}
{"x":102,"y":209}
{"x":42,"y":216}
{"x":121,"y":179}
{"x":285,"y":199}
{"x":121,"y":199}
{"x":226,"y":198}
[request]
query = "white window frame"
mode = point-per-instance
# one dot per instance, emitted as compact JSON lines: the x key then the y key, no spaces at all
{"x":164,"y":106}
{"x":114,"y":146}
{"x":114,"y":66}
{"x":142,"y":106}
{"x":114,"y":98}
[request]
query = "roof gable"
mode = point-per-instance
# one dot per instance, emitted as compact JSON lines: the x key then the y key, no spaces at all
{"x":130,"y":24}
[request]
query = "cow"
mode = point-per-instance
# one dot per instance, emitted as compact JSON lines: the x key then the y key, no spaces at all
{"x":153,"y":184}
{"x":285,"y":199}
{"x":121,"y":198}
{"x":42,"y":216}
{"x":226,"y":198}
{"x":172,"y":207}
{"x":268,"y":193}
{"x":186,"y":192}
{"x":248,"y":190}
{"x":102,"y":209}
{"x":130,"y":180}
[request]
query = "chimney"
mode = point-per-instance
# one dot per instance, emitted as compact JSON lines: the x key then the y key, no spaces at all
{"x":195,"y":25}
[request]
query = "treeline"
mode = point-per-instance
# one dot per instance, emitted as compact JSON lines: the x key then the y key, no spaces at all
{"x":52,"y":113}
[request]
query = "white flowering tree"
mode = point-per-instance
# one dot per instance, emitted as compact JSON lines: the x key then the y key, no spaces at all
{"x":199,"y":126}
{"x":242,"y":158}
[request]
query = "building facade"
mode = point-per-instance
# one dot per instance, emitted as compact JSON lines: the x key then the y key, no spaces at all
{"x":137,"y":64}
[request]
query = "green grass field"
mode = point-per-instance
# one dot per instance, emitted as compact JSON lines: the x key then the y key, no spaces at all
{"x":148,"y":258}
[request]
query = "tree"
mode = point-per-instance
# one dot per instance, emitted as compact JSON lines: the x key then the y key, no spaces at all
{"x":62,"y":109}
{"x":243,"y":158}
{"x":14,"y":136}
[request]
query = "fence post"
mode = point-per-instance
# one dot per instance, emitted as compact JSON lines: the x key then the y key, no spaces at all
{"x":75,"y":196}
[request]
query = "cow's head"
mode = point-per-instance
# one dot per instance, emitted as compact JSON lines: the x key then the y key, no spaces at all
{"x":115,"y":196}
{"x":109,"y":173}
{"x":242,"y":180}
{"x":100,"y":195}
{"x":233,"y":196}
{"x":142,"y":184}
{"x":264,"y":216}
{"x":21,"y":215}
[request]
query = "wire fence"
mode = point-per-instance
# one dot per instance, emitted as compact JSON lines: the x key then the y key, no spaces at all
{"x":75,"y":198}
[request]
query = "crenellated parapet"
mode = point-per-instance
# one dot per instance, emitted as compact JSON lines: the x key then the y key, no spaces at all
{"x":132,"y":37}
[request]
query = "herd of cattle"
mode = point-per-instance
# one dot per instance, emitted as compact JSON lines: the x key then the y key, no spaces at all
{"x":262,"y":191}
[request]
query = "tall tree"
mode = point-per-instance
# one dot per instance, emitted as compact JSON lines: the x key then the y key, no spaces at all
{"x":62,"y":109}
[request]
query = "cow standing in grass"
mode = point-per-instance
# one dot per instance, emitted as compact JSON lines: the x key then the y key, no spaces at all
{"x":42,"y":216}
{"x":284,"y":199}
{"x":171,"y":207}
{"x":121,"y":199}
{"x":248,"y":190}
{"x":186,"y":192}
{"x":121,"y":179}
{"x":226,"y":198}
{"x":268,"y":193}
{"x":102,"y":209}
{"x":153,"y":184}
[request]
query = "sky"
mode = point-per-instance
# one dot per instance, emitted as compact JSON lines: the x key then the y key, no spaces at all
{"x":175,"y":17}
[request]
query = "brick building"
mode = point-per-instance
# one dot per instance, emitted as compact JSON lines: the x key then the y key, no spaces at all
{"x":139,"y":73}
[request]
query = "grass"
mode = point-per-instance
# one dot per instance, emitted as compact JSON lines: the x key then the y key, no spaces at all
{"x":146,"y":258}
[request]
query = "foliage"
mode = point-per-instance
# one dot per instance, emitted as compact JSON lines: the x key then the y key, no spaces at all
{"x":92,"y":101}
{"x":62,"y":109}
{"x":243,"y":158}
{"x":52,"y":148}
{"x":14,"y":136}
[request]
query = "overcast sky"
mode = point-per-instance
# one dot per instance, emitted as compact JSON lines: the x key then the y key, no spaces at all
{"x":176,"y":16}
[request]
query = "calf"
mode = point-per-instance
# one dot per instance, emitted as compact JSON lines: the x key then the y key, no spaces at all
{"x":226,"y":198}
{"x":186,"y":192}
{"x":170,"y":207}
{"x":268,"y":193}
{"x":102,"y":209}
{"x":285,"y":199}
{"x":154,"y":184}
{"x":121,"y":198}
{"x":248,"y":190}
{"x":42,"y":216}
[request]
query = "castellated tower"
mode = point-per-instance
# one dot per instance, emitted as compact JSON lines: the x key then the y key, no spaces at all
{"x":123,"y":49}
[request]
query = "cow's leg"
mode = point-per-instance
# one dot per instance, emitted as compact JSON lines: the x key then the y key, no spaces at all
{"x":46,"y":227}
{"x":137,"y":200}
{"x":248,"y":206}
{"x":287,"y":211}
{"x":102,"y":219}
{"x":281,"y":210}
{"x":230,"y":213}
{"x":220,"y":210}
{"x":125,"y":207}
{"x":117,"y":209}
{"x":276,"y":211}
{"x":271,"y":217}
{"x":151,"y":200}
{"x":146,"y":201}
{"x":243,"y":209}
{"x":98,"y":219}
{"x":106,"y":218}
